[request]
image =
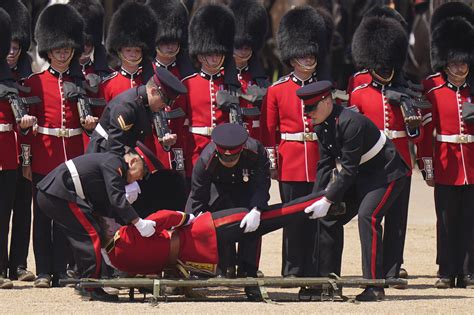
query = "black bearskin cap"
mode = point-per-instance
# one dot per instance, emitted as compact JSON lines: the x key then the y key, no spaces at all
{"x":251,"y":23}
{"x":386,"y":11}
{"x":132,"y":25}
{"x":379,"y":43}
{"x":93,"y":14}
{"x":172,"y":19}
{"x":452,"y":35}
{"x":302,"y":32}
{"x":5,"y":34}
{"x":21,"y":30}
{"x":212,"y":30}
{"x":58,"y":26}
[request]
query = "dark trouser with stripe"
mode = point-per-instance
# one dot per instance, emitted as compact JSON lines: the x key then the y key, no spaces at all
{"x":455,"y":229}
{"x":227,"y":222}
{"x":49,"y":242}
{"x":7,"y":193}
{"x":371,"y":205}
{"x":299,"y":245}
{"x":395,"y":229}
{"x":81,"y":229}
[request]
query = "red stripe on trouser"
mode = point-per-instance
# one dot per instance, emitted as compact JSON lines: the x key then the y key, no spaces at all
{"x":269,"y":214}
{"x":92,"y":233}
{"x":374,"y":228}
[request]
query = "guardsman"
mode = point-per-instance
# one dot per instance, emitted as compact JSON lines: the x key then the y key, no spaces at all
{"x":287,"y":131}
{"x":91,"y":185}
{"x":447,"y":160}
{"x":233,"y":171}
{"x":20,"y":65}
{"x":9,"y":159}
{"x":379,"y":47}
{"x":372,"y":175}
{"x":211,"y":39}
{"x":171,"y":48}
{"x":59,"y":34}
{"x":251,"y":28}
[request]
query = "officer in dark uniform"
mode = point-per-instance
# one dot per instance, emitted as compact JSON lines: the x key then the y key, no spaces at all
{"x":233,"y":171}
{"x":95,"y":184}
{"x":372,"y":175}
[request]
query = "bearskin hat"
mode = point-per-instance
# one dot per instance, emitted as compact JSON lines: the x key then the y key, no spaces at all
{"x":452,"y":35}
{"x":18,"y":12}
{"x":172,"y":19}
{"x":132,"y":25}
{"x":212,"y":30}
{"x":301,"y":32}
{"x":388,"y":12}
{"x":58,"y":26}
{"x":251,"y":23}
{"x":379,"y":43}
{"x":5,"y":34}
{"x":93,"y":14}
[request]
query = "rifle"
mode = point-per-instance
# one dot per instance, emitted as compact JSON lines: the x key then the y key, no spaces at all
{"x":338,"y":208}
{"x":17,"y":103}
{"x":254,"y":95}
{"x":468,"y":112}
{"x":78,"y":94}
{"x":230,"y":103}
{"x":160,"y":121}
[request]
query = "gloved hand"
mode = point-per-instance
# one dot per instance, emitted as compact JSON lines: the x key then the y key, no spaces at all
{"x":251,"y":221}
{"x":318,"y":209}
{"x":145,"y":227}
{"x":131,"y":192}
{"x":190,"y":220}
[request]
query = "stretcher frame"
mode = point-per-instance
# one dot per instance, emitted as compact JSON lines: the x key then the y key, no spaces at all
{"x":331,"y":287}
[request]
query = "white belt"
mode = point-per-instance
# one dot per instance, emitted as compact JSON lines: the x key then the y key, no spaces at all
{"x":60,"y":132}
{"x":101,"y":131}
{"x":255,"y":123}
{"x":300,"y":136}
{"x":455,"y":138}
{"x":374,"y":150}
{"x":75,"y":179}
{"x":6,"y":127}
{"x":203,"y":131}
{"x":394,"y":134}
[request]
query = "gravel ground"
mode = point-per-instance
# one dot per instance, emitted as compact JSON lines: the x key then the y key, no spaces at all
{"x":419,"y":297}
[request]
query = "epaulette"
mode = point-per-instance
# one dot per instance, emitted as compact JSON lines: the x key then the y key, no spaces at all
{"x":189,"y":77}
{"x":360,"y":72}
{"x":360,"y":87}
{"x":435,"y":88}
{"x":434,"y":75}
{"x":110,"y":76}
{"x":33,"y":74}
{"x":281,"y":80}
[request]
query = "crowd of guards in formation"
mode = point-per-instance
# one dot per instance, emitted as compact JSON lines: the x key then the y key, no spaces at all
{"x":174,"y":110}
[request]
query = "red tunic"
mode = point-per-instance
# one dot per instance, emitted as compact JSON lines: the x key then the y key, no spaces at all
{"x":358,"y":79}
{"x":453,"y":163}
{"x":282,"y":113}
{"x":149,"y":255}
{"x":201,"y":111}
{"x":252,"y":123}
{"x":8,"y":139}
{"x":369,"y":99}
{"x":55,"y":111}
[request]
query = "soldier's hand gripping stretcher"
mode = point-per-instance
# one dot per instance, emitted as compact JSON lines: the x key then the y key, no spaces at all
{"x":19,"y":105}
{"x":230,"y":103}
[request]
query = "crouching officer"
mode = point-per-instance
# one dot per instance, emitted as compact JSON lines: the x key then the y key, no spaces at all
{"x":372,"y":175}
{"x":96,"y":184}
{"x":233,"y":171}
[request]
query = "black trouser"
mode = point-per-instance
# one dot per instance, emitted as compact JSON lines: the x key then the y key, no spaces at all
{"x":395,"y":229}
{"x":21,"y":224}
{"x":227,"y":222}
{"x":299,"y":245}
{"x":370,"y":204}
{"x":455,"y":232}
{"x":7,"y":194}
{"x":49,"y":242}
{"x":81,"y":229}
{"x":162,"y":190}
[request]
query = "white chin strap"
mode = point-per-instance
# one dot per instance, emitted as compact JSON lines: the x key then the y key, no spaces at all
{"x":307,"y":68}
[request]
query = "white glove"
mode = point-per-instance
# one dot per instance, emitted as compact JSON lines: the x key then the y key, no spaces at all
{"x":191,"y":219}
{"x":318,"y":209}
{"x":145,"y":227}
{"x":251,"y":221}
{"x":131,"y":192}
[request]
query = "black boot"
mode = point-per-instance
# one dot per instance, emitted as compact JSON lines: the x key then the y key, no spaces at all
{"x":371,"y":294}
{"x":445,"y":283}
{"x":253,"y":294}
{"x":95,"y":295}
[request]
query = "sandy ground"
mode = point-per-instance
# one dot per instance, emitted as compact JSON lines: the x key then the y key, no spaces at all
{"x":420,"y":297}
